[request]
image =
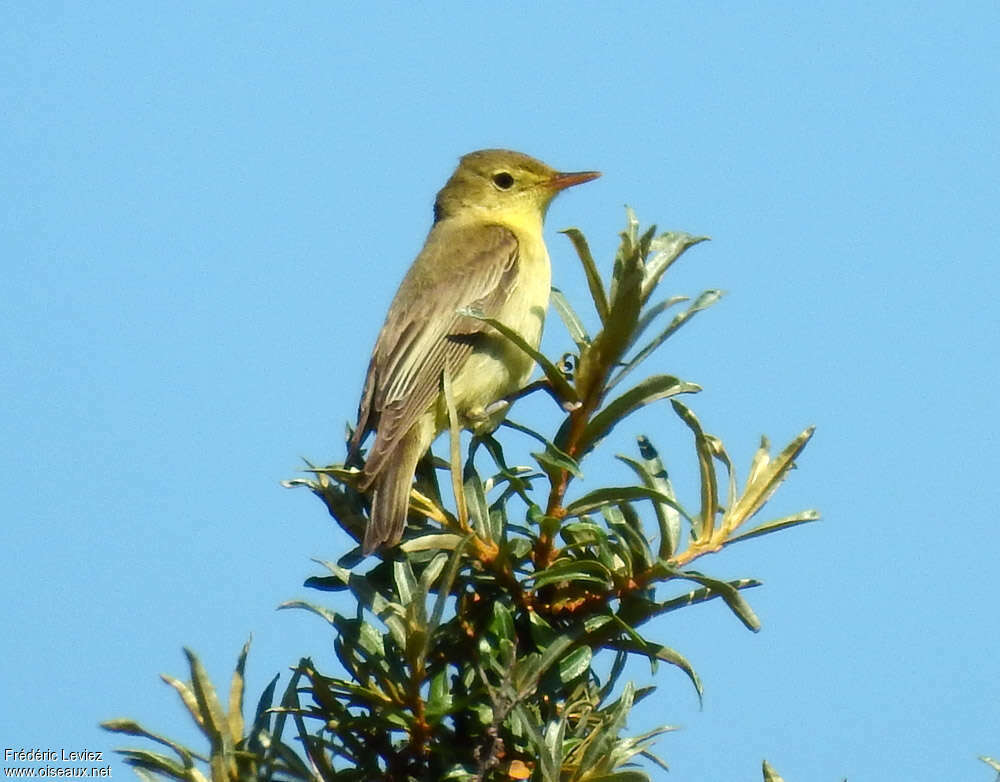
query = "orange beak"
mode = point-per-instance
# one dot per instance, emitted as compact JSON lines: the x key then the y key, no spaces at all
{"x":561,"y":181}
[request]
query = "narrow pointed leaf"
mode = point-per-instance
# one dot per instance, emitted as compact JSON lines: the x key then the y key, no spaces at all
{"x":548,"y":764}
{"x":216,"y":725}
{"x":554,"y":457}
{"x":609,"y":731}
{"x":475,"y":499}
{"x":590,"y":270}
{"x":768,"y":479}
{"x":574,"y":664}
{"x":706,"y":468}
{"x":235,"y":716}
{"x":655,"y":651}
{"x":444,"y":588}
{"x":406,"y":582}
{"x":434,"y":541}
{"x":991,"y":762}
{"x":770,"y":775}
{"x":187,"y":697}
{"x":720,"y":454}
{"x":615,"y":494}
{"x":778,"y":524}
{"x":261,"y":728}
{"x":704,"y":301}
{"x":648,"y":391}
{"x":133,"y":728}
{"x":700,"y":595}
{"x":667,"y":517}
{"x":575,"y":327}
{"x":155,"y":762}
{"x":650,"y":314}
{"x":530,"y":670}
{"x":666,"y":248}
{"x":727,"y":591}
{"x":588,"y":570}
{"x":761,"y":458}
{"x":624,"y":520}
{"x":439,"y":701}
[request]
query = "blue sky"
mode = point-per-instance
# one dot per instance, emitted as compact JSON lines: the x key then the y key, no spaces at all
{"x":206,"y":210}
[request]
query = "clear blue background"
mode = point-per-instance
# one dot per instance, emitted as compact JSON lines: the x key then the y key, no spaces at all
{"x":207,"y":207}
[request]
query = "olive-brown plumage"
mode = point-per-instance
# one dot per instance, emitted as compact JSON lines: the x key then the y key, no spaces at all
{"x":485,"y":251}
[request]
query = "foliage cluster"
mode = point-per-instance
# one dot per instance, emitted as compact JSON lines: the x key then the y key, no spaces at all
{"x":492,"y":643}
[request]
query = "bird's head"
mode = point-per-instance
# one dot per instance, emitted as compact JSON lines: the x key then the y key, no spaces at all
{"x":503,"y":183}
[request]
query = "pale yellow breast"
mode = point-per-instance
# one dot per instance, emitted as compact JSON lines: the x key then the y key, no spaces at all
{"x":498,"y":368}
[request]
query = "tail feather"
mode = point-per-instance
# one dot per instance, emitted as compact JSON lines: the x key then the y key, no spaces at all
{"x":391,"y":490}
{"x":390,"y":502}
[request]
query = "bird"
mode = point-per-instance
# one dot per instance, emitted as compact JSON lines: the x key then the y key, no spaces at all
{"x":485,"y":253}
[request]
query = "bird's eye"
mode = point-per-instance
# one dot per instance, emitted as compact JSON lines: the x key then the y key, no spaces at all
{"x":503,"y":180}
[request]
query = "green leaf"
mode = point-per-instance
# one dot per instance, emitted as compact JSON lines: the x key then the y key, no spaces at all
{"x":575,"y":664}
{"x":321,"y":611}
{"x":650,"y":314}
{"x":548,"y":762}
{"x":720,"y":454}
{"x":655,"y":651}
{"x":133,"y":728}
{"x":582,"y":570}
{"x":554,"y":461}
{"x":991,"y":762}
{"x":430,"y":574}
{"x":667,"y":517}
{"x":406,"y":582}
{"x":709,"y":483}
{"x":530,"y":669}
{"x":625,"y":305}
{"x":704,"y":301}
{"x":770,"y":775}
{"x":590,"y":270}
{"x":439,"y":701}
{"x":433,"y":541}
{"x":542,"y":633}
{"x":502,"y":623}
{"x":555,"y":736}
{"x":784,"y":522}
{"x":613,"y":495}
{"x":621,"y":543}
{"x":766,"y":480}
{"x":261,"y":729}
{"x":216,"y":726}
{"x":728,"y":592}
{"x":584,"y":535}
{"x":187,"y":697}
{"x":649,"y":390}
{"x":155,"y":762}
{"x":608,"y":732}
{"x":390,"y":613}
{"x":556,"y":378}
{"x":666,"y":249}
{"x":444,"y":588}
{"x":575,"y":327}
{"x":475,"y":498}
{"x":235,"y":715}
{"x":620,"y":776}
{"x":554,"y":458}
{"x":700,"y":595}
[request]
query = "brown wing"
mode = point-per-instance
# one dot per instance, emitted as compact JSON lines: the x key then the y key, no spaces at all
{"x":467,"y":266}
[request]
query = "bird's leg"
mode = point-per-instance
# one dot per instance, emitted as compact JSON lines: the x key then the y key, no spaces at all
{"x":539,"y":385}
{"x":483,"y":420}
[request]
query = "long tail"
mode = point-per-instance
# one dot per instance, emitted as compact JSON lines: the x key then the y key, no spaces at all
{"x":391,"y":489}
